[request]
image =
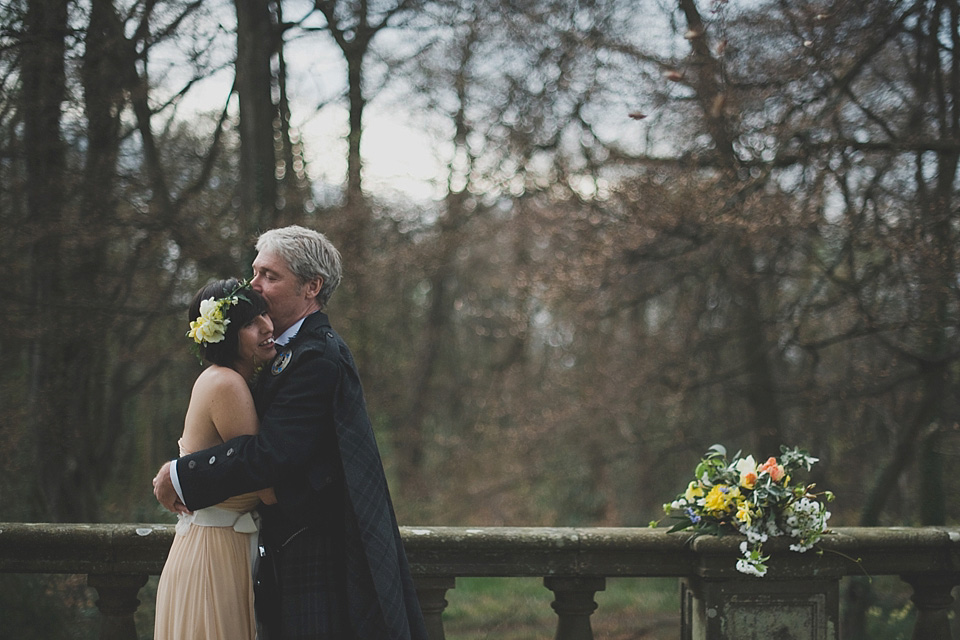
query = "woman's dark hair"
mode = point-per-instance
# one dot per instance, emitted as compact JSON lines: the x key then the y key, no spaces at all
{"x":250,"y":304}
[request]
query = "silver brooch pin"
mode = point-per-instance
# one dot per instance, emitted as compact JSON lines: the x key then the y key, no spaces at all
{"x":281,"y":361}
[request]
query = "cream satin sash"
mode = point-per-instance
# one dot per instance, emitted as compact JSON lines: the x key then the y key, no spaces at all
{"x":248,"y":523}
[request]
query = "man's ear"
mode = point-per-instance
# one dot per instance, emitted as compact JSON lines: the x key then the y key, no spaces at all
{"x":312,"y":287}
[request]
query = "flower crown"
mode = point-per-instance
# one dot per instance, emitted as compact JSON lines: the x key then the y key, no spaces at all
{"x":211,"y":325}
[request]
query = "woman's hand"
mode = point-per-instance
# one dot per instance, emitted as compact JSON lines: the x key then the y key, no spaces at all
{"x":267,"y":496}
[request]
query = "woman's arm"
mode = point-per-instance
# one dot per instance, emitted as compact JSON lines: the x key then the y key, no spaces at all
{"x":221,"y":407}
{"x":227,"y":406}
{"x":233,"y":414}
{"x":231,"y":407}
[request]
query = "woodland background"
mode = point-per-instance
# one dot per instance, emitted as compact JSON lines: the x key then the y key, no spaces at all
{"x":653,"y":226}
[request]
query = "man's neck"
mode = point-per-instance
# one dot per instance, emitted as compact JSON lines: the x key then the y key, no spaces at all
{"x":311,"y":309}
{"x":287,"y":334}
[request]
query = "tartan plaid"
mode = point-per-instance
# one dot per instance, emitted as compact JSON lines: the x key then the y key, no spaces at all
{"x":312,"y":584}
{"x":380,"y":597}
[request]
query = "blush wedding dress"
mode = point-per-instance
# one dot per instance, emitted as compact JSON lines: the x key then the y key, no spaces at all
{"x":206,"y":587}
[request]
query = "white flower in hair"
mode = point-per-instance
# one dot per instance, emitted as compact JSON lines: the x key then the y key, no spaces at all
{"x":211,"y":325}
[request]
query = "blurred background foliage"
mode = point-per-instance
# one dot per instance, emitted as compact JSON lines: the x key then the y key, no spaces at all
{"x":651,"y":226}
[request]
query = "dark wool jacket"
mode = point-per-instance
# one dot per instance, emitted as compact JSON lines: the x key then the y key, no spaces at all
{"x":316,"y":447}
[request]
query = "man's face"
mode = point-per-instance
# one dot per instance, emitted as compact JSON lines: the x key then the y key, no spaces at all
{"x":287,"y":298}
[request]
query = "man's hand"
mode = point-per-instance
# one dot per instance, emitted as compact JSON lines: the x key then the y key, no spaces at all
{"x":165,"y":493}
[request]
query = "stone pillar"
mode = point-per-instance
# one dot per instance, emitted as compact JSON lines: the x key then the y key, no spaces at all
{"x":798,"y":598}
{"x":748,"y":608}
{"x":432,"y":593}
{"x":574,"y":604}
{"x":117,"y":603}
{"x":933,"y":598}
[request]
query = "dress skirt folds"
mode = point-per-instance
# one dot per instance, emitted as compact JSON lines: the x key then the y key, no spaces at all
{"x":206,"y":587}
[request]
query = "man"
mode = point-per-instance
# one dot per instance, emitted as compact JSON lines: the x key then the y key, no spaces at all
{"x":335,"y":567}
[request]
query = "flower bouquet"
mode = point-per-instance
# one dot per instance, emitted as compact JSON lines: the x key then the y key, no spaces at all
{"x":758,"y":501}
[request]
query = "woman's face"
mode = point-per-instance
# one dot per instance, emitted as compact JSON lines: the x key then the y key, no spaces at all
{"x":255,"y":341}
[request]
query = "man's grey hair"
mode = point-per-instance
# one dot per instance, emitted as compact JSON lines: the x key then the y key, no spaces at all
{"x":308,"y":253}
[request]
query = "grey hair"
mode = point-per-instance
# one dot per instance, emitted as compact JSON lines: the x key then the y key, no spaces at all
{"x":308,"y":253}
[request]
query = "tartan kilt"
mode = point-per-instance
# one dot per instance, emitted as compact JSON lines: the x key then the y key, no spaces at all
{"x":310,"y":589}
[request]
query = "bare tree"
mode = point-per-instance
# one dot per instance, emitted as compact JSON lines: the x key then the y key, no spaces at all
{"x":100,"y":251}
{"x":354,"y":25}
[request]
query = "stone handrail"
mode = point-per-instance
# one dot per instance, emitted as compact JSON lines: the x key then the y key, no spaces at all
{"x":801,"y":589}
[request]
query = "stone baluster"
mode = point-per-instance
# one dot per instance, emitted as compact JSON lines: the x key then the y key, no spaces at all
{"x":574,"y":604}
{"x":432,"y":592}
{"x":117,"y":603}
{"x":933,"y":599}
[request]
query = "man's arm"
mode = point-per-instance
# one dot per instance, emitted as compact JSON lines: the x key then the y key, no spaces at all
{"x":288,"y":440}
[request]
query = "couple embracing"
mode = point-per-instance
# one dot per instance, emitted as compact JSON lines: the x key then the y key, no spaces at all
{"x":279,"y":488}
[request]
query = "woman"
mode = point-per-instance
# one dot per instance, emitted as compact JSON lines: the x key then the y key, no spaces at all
{"x":206,"y":588}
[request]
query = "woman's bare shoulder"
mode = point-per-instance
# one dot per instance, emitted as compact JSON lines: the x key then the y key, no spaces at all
{"x":219,"y":380}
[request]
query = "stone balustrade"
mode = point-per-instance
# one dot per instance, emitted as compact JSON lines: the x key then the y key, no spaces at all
{"x":798,"y":599}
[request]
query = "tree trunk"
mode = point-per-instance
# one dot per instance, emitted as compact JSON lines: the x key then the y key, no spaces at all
{"x":43,"y":93}
{"x":256,"y":44}
{"x":707,"y":80}
{"x":295,"y":191}
{"x":356,"y":208}
{"x":760,"y":384}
